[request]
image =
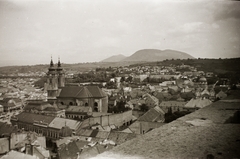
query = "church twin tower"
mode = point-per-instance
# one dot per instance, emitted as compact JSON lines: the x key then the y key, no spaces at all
{"x":55,"y":79}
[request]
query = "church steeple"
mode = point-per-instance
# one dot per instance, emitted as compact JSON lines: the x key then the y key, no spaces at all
{"x":51,"y":63}
{"x":59,"y":63}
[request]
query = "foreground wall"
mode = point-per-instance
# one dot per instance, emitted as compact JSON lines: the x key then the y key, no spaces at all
{"x":209,"y":132}
{"x":113,"y":119}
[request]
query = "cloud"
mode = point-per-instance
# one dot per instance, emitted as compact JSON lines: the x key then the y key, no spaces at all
{"x":107,"y":42}
{"x":228,"y":10}
{"x":216,"y":26}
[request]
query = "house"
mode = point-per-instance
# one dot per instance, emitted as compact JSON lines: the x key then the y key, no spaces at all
{"x":82,"y":148}
{"x":10,"y":104}
{"x":78,"y":112}
{"x":6,"y":130}
{"x":197,"y":103}
{"x":137,"y":103}
{"x":50,"y":126}
{"x":15,"y":154}
{"x":172,"y":106}
{"x":43,"y":107}
{"x":4,"y":145}
{"x":109,"y":119}
{"x":155,"y":114}
{"x":221,"y":95}
{"x":150,"y":100}
{"x":120,"y":137}
{"x":152,"y":119}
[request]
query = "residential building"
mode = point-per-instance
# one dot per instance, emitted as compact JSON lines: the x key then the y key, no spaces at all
{"x":79,"y":112}
{"x":197,"y":103}
{"x":50,"y":126}
{"x":221,"y":95}
{"x":10,"y":104}
{"x":152,"y":119}
{"x":150,"y":100}
{"x":172,"y":106}
{"x":43,"y":107}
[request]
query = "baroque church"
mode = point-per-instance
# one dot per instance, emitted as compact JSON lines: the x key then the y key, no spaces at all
{"x":79,"y":96}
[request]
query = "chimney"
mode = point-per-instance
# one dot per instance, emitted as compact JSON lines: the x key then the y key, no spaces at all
{"x":29,"y":149}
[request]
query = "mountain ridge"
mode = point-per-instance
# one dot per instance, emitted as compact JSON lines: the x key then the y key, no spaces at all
{"x":152,"y":55}
{"x":114,"y":58}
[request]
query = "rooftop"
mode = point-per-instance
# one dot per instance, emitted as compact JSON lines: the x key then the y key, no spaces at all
{"x":207,"y":132}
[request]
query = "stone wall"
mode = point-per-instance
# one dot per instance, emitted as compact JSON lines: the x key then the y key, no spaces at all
{"x":113,"y":119}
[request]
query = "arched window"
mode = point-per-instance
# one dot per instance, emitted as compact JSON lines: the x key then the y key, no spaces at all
{"x":96,"y":107}
{"x":86,"y":104}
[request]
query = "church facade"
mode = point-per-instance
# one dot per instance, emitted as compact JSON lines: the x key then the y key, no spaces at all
{"x":55,"y":80}
{"x":88,"y":96}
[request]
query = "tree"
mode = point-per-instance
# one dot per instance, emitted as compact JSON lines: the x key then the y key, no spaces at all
{"x":144,"y":107}
{"x":129,"y":79}
{"x":113,"y":75}
{"x":122,"y":79}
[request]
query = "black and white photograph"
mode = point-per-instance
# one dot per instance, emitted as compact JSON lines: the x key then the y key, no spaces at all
{"x":119,"y":79}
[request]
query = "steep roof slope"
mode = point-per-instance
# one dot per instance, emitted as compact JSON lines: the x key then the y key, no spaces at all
{"x":198,"y":103}
{"x":152,"y":115}
{"x":81,"y":92}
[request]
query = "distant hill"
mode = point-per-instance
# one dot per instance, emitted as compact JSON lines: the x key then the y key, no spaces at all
{"x":115,"y":58}
{"x":151,"y":55}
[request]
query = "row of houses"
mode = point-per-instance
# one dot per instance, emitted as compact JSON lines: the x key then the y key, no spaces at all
{"x":15,"y":143}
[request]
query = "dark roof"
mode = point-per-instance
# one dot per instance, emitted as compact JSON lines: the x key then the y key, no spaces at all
{"x":96,"y":91}
{"x":68,"y":150}
{"x":81,"y":109}
{"x":31,"y":117}
{"x":172,"y":103}
{"x":120,"y":137}
{"x":94,"y":133}
{"x":82,"y":92}
{"x":152,"y":114}
{"x":6,"y":129}
{"x":8,"y":99}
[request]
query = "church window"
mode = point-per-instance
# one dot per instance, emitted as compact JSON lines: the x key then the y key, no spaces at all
{"x":96,"y":106}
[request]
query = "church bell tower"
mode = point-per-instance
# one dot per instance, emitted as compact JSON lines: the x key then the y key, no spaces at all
{"x":55,"y":79}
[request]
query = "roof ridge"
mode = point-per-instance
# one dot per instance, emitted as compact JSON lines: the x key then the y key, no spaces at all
{"x":88,"y":93}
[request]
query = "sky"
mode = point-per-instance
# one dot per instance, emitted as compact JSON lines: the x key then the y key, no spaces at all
{"x":31,"y":31}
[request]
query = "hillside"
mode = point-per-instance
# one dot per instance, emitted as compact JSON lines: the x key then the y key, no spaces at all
{"x":149,"y":55}
{"x":115,"y":58}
